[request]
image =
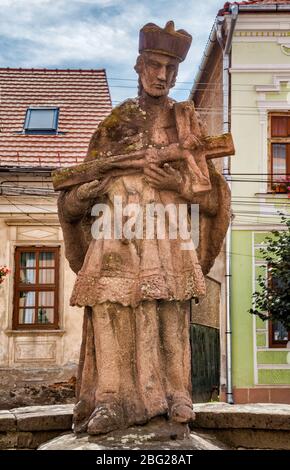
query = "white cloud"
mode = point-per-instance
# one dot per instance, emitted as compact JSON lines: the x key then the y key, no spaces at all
{"x":96,"y":33}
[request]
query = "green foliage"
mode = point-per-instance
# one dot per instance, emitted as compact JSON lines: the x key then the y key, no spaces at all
{"x":272,"y":300}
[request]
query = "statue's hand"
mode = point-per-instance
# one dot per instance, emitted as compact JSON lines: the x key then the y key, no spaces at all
{"x":151,"y":156}
{"x":163,"y":178}
{"x":88,"y":191}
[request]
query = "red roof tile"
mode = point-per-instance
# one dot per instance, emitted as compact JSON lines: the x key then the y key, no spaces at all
{"x":83,"y":98}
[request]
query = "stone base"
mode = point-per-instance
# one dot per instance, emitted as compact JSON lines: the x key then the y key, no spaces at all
{"x":251,"y":426}
{"x":31,"y":426}
{"x":159,"y":434}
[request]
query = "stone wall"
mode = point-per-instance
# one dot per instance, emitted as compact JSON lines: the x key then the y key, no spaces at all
{"x":252,"y":426}
{"x":27,"y":428}
{"x":260,"y":426}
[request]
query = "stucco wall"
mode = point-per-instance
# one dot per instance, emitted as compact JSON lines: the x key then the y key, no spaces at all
{"x":32,"y":362}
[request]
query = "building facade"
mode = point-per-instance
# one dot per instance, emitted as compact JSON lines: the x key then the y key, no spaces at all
{"x":244,"y":86}
{"x":47,"y":119}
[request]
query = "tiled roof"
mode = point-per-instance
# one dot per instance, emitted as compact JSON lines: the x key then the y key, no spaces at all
{"x":83,"y":98}
{"x":253,"y":2}
{"x":264,"y":1}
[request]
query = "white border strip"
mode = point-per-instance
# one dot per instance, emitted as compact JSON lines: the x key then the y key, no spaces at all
{"x":250,"y":68}
{"x":255,"y":368}
{"x":274,"y":367}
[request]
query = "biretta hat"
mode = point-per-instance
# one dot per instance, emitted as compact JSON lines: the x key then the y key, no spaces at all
{"x":166,"y":40}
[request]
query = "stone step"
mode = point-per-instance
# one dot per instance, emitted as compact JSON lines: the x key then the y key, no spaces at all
{"x":249,"y":426}
{"x":28,"y":427}
{"x":42,"y":418}
{"x":249,"y":416}
{"x":238,"y":426}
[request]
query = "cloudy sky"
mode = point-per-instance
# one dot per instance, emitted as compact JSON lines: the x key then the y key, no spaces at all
{"x":99,"y":34}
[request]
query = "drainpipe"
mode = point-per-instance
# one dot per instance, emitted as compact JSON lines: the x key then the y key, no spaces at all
{"x":226,"y":48}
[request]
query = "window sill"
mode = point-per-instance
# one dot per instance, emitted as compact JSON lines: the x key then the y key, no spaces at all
{"x":271,"y":195}
{"x":34,"y":332}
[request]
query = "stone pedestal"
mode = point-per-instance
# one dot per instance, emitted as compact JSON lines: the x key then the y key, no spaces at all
{"x":159,"y":434}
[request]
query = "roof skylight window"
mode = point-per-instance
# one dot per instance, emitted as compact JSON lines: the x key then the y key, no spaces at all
{"x":41,"y":120}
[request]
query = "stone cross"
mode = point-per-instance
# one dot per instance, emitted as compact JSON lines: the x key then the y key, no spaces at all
{"x":213,"y":147}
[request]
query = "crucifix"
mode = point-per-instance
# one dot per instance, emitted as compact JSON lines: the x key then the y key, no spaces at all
{"x":211,"y":147}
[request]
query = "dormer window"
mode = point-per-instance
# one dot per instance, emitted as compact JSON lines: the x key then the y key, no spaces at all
{"x":41,"y":120}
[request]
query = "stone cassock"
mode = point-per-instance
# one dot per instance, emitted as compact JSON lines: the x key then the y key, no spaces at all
{"x":135,"y":354}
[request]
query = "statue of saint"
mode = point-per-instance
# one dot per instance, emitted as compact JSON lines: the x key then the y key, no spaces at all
{"x":135,"y":361}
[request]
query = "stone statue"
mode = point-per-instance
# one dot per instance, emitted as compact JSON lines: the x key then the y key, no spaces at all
{"x":135,"y":355}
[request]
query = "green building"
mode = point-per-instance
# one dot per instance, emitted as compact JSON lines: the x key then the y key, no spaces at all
{"x":243,"y":86}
